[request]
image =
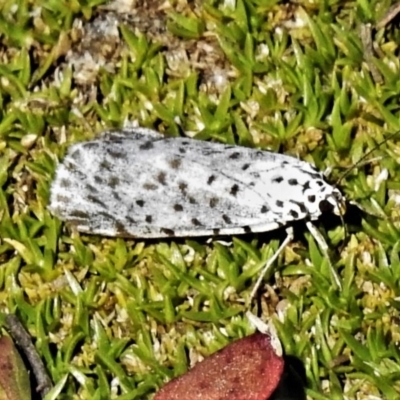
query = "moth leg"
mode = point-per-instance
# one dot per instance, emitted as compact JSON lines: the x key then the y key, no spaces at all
{"x":267,"y":329}
{"x":324,"y":248}
{"x":328,"y":171}
{"x":269,"y":263}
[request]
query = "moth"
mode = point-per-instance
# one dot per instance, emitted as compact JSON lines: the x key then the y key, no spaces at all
{"x":138,"y":183}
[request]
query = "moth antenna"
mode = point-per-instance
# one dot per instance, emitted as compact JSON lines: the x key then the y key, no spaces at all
{"x":346,"y":232}
{"x":365,"y":156}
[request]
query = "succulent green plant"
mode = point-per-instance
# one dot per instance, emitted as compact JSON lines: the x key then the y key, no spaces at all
{"x":115,"y":318}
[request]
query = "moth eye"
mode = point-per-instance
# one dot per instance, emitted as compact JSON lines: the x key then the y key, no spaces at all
{"x":326,"y":206}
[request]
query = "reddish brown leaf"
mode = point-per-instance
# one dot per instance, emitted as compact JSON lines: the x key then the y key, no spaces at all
{"x":247,"y":369}
{"x":14,"y":378}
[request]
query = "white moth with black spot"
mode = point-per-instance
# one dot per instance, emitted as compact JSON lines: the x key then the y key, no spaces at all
{"x":139,"y":183}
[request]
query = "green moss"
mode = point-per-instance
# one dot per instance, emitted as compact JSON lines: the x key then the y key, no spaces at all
{"x":116,"y":318}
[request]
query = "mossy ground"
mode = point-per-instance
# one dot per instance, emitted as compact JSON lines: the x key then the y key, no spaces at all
{"x":116,"y":318}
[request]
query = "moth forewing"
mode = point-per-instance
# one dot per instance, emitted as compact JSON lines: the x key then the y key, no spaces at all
{"x":138,"y":183}
{"x":141,"y":184}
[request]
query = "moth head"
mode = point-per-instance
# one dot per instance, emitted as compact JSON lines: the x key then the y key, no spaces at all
{"x":333,"y":202}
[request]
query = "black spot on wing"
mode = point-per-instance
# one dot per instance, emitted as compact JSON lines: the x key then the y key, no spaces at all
{"x":150,"y":186}
{"x":311,"y":198}
{"x":226,"y":219}
{"x":149,"y":219}
{"x":234,"y":156}
{"x":95,"y":200}
{"x":161,"y":178}
{"x":211,"y":179}
{"x":113,"y":182}
{"x":234,"y":190}
{"x":76,"y":154}
{"x":70,"y":166}
{"x":130,"y":220}
{"x":279,"y":203}
{"x":294,"y":214}
{"x":245,"y":166}
{"x":116,"y":154}
{"x":80,"y":214}
{"x":183,"y":187}
{"x":216,"y":231}
{"x":178,"y":207}
{"x":116,"y":140}
{"x":168,"y":232}
{"x":65,"y":183}
{"x":91,"y":189}
{"x":210,"y":152}
{"x":277,"y":179}
{"x":147,"y":145}
{"x":98,"y":180}
{"x":106,"y":215}
{"x":196,"y":222}
{"x":121,"y":230}
{"x":247,"y":229}
{"x":293,"y":182}
{"x":182,"y":150}
{"x":140,"y":203}
{"x":306,"y":186}
{"x":192,"y":200}
{"x":302,"y":207}
{"x":264,"y":209}
{"x":175,"y":163}
{"x":316,"y":175}
{"x":116,"y":195}
{"x":213,"y":202}
{"x":105,"y":165}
